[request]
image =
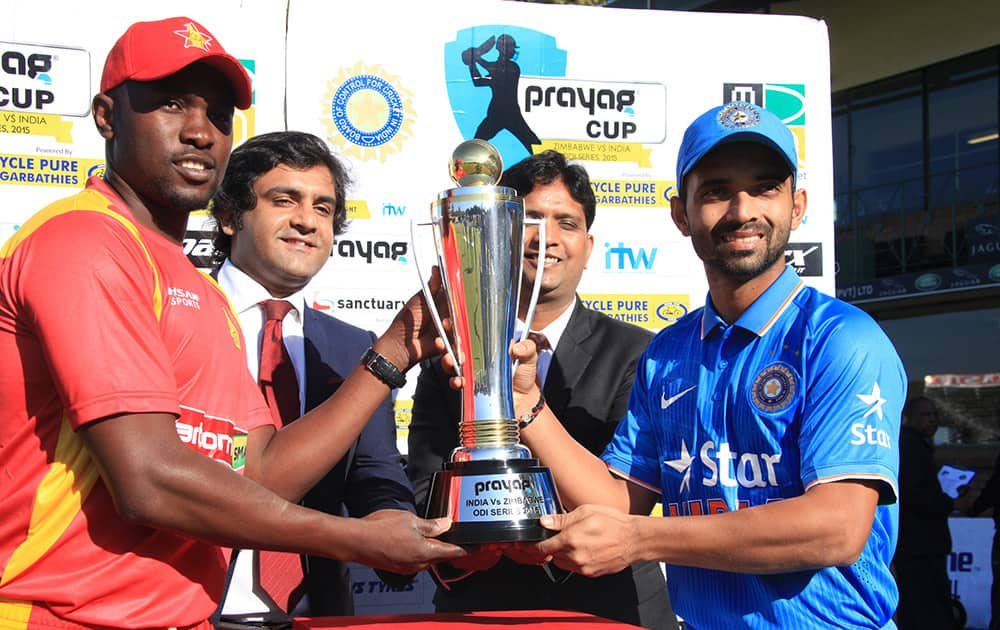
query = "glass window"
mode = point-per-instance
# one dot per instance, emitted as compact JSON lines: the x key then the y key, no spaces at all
{"x":955,"y":358}
{"x":917,"y":170}
{"x":841,"y":154}
{"x":962,"y":129}
{"x":886,"y":144}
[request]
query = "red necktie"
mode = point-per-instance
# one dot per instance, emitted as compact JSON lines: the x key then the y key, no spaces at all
{"x":541,"y":341}
{"x":280,"y":573}
{"x":277,"y":374}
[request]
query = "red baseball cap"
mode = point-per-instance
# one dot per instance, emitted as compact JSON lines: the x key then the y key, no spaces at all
{"x":153,"y":50}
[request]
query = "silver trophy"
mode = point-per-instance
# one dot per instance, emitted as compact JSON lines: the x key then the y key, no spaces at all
{"x":491,"y":487}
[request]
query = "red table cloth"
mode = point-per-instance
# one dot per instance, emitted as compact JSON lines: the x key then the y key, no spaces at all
{"x":524,"y":619}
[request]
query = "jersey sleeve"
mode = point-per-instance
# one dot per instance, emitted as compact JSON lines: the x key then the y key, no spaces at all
{"x":632,"y":453}
{"x":855,"y":396}
{"x":88,"y":294}
{"x":257,"y":412}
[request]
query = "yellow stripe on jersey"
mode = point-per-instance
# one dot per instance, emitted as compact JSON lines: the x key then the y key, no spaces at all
{"x":89,"y":201}
{"x":14,"y":615}
{"x":59,"y":499}
{"x":232,"y":319}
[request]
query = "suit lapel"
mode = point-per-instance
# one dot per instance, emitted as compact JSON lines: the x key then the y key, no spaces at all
{"x":571,"y":358}
{"x":314,"y":337}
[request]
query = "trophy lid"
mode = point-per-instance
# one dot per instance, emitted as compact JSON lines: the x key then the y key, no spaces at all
{"x":475,"y":163}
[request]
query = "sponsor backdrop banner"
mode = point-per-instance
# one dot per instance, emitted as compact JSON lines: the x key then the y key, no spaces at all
{"x":51,"y":56}
{"x":611,"y":88}
{"x":969,"y":567}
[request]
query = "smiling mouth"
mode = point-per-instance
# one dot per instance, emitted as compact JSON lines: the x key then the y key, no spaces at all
{"x":742,"y":240}
{"x":298,"y":243}
{"x":195,"y":170}
{"x":546,"y":261}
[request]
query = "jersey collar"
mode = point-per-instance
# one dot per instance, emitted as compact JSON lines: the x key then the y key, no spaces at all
{"x":764,"y":311}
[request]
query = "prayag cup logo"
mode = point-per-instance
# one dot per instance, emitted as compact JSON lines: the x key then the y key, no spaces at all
{"x":367,"y":112}
{"x":508,"y":86}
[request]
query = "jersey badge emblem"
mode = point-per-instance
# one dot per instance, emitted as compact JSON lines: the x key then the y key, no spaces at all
{"x":774,"y":388}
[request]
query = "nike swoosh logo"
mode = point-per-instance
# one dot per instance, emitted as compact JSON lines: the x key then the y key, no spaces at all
{"x":666,"y":402}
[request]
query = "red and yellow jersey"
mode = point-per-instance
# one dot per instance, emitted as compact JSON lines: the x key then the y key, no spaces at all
{"x":98,"y":317}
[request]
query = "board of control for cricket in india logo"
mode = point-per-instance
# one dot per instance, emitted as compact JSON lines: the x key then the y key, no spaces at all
{"x":774,"y":388}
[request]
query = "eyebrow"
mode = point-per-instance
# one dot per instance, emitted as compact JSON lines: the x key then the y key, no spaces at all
{"x":295,"y":192}
{"x":558,"y":215}
{"x":760,"y":177}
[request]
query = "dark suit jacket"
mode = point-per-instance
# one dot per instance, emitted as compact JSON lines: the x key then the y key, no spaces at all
{"x":587,"y":388}
{"x":923,"y":506}
{"x":369,"y":477}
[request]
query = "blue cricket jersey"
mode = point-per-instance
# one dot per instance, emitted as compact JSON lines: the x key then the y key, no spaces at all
{"x":802,"y":389}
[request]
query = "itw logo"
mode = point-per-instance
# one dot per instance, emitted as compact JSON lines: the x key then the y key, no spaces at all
{"x":623,"y":258}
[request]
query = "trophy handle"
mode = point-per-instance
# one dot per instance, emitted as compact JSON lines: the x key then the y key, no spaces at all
{"x":425,"y":286}
{"x":536,"y":287}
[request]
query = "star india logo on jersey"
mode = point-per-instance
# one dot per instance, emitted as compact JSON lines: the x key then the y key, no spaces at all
{"x":871,"y":434}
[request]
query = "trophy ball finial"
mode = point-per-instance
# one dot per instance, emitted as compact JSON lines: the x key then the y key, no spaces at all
{"x":475,"y":163}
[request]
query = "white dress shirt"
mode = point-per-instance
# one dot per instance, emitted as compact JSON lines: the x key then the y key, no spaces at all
{"x":245,"y":294}
{"x":553,"y":332}
{"x":245,"y":598}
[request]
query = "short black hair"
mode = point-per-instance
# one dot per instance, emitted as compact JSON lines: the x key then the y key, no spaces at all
{"x":262,"y":154}
{"x":546,"y":167}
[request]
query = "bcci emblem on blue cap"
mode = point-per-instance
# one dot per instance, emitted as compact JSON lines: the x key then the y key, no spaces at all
{"x":734,"y":122}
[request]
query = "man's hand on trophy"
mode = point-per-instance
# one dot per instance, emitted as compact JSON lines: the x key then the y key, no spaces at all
{"x":451,"y":366}
{"x":412,"y":336}
{"x":593,"y":540}
{"x":399,"y":541}
{"x":525,"y":381}
{"x":480,"y":558}
{"x":526,"y":553}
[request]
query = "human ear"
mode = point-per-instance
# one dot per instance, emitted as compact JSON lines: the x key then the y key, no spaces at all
{"x":799,"y":203}
{"x":226,"y":222}
{"x":103,"y":112}
{"x":678,"y":213}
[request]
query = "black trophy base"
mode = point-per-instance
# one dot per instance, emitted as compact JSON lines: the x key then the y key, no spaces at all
{"x":493,"y":501}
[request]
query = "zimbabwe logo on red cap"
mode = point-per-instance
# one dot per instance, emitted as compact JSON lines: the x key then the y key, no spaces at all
{"x":193,"y":38}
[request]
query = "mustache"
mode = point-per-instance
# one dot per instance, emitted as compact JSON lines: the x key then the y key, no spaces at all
{"x":726,"y":227}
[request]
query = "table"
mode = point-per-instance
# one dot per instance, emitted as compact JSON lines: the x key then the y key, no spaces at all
{"x":524,"y":619}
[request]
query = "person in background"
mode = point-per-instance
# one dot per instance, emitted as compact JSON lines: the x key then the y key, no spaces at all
{"x":989,"y":499}
{"x":921,"y":561}
{"x":766,"y":429}
{"x":279,"y":208}
{"x":586,"y":374}
{"x":136,"y":445}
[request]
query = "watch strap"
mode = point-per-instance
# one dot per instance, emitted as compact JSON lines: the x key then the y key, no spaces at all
{"x":383,"y":369}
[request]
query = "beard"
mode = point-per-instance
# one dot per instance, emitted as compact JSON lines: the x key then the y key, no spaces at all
{"x":183,"y":199}
{"x":746,"y":265}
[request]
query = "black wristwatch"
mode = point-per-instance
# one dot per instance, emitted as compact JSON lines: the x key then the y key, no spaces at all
{"x":383,"y":369}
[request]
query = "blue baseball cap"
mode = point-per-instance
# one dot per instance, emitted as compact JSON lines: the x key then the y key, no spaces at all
{"x":734,"y":122}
